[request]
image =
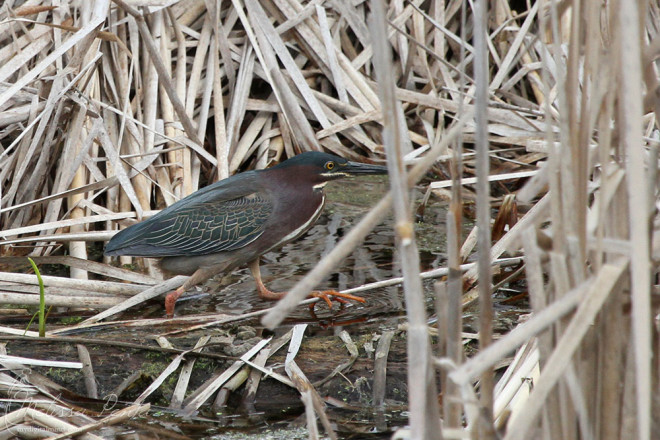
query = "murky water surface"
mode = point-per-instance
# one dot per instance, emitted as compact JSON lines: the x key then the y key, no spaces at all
{"x":350,"y":408}
{"x":346,"y":203}
{"x":349,"y":395}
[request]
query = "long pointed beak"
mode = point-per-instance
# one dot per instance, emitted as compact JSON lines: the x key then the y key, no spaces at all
{"x":357,"y":168}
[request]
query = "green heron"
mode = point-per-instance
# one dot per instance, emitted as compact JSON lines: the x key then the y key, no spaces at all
{"x":235,"y":221}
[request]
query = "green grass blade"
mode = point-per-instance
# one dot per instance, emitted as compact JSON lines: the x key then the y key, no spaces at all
{"x":42,"y":300}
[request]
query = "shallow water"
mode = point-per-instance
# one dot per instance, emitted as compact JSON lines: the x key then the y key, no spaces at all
{"x":375,"y":260}
{"x":348,"y":395}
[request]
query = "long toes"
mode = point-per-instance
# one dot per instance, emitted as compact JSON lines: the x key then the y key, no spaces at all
{"x":325,"y":297}
{"x":344,"y":297}
{"x":330,"y":295}
{"x":328,"y":300}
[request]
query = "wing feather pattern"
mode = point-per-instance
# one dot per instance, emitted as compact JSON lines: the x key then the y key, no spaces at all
{"x":198,"y":227}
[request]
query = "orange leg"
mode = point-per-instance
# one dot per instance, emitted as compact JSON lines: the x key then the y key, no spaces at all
{"x":170,"y":300}
{"x":326,"y":295}
{"x":199,"y":276}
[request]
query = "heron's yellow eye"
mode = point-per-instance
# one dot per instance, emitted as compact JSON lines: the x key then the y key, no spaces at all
{"x":329,"y":166}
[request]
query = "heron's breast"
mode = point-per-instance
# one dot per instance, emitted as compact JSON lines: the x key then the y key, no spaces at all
{"x":294,"y":216}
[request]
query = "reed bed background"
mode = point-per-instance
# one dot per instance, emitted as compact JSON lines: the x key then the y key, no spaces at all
{"x":112,"y":110}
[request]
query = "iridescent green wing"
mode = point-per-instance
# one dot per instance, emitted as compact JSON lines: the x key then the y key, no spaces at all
{"x":200,"y":228}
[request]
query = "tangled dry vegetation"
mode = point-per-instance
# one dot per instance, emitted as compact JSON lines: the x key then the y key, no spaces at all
{"x":112,"y":110}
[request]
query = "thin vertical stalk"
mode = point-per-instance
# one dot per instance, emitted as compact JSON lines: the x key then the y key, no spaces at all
{"x":483,"y":211}
{"x":630,"y":96}
{"x":448,"y":309}
{"x":222,"y":151}
{"x":454,"y":227}
{"x":422,"y":391}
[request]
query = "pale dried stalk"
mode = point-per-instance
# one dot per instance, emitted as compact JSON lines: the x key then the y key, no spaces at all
{"x":448,"y":308}
{"x":422,"y":391}
{"x":604,"y":285}
{"x":113,"y":419}
{"x":193,"y":402}
{"x":630,"y":99}
{"x":28,"y":414}
{"x":179,"y":393}
{"x":66,"y":300}
{"x":486,"y":314}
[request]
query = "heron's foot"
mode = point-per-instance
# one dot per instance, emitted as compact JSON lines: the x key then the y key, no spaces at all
{"x":326,"y":295}
{"x":170,"y":301}
{"x":332,"y":295}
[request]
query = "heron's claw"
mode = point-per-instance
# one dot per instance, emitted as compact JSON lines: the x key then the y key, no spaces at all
{"x":331,"y":295}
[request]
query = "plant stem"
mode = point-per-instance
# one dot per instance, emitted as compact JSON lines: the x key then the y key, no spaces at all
{"x":42,"y":300}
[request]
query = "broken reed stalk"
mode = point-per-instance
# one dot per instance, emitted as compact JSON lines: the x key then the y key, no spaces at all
{"x":450,"y":324}
{"x":87,"y":371}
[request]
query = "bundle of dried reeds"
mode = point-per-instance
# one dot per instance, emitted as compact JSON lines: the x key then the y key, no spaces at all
{"x":590,"y":244}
